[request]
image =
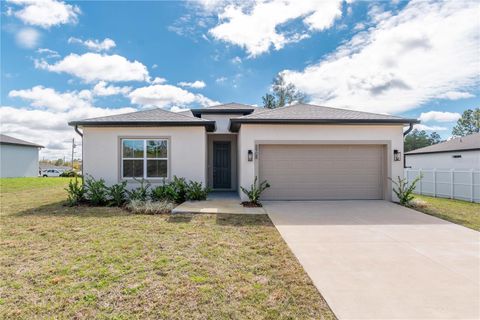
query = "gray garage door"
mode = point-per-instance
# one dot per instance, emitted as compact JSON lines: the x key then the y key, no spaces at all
{"x":322,"y":172}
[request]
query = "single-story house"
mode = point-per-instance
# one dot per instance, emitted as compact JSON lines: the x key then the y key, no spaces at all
{"x":305,"y":152}
{"x":18,"y":158}
{"x":458,"y":153}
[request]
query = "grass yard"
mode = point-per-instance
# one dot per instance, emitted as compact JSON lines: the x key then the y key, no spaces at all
{"x":460,"y":212}
{"x":82,"y":263}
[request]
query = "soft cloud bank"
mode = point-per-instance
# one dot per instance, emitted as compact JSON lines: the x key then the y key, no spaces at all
{"x":45,"y":13}
{"x":167,"y":96}
{"x":425,"y":51}
{"x":254,"y":25}
{"x":98,"y":67}
{"x":45,"y":120}
{"x":94,"y":44}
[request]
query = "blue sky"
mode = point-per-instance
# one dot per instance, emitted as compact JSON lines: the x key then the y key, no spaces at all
{"x":70,"y":60}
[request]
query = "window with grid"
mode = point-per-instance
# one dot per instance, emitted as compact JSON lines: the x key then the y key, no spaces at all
{"x":144,"y":158}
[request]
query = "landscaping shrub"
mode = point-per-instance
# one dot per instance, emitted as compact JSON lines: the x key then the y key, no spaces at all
{"x":117,"y":194}
{"x":196,"y":191}
{"x":150,"y":207}
{"x":75,"y":192}
{"x":140,"y":193}
{"x":178,"y":189}
{"x":403,"y":190}
{"x":255,"y":191}
{"x":69,"y":174}
{"x":96,"y":191}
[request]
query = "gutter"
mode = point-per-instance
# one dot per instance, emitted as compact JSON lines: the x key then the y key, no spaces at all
{"x":210,"y":125}
{"x":235,"y":123}
{"x":410,"y":128}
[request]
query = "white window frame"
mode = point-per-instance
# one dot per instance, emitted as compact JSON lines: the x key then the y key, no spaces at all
{"x":144,"y":158}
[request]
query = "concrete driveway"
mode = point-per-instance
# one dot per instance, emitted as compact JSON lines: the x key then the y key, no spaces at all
{"x":378,"y":260}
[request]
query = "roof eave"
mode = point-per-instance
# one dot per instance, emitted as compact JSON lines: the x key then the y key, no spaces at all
{"x":198,"y":112}
{"x":236,"y":123}
{"x":413,"y":153}
{"x":22,"y":144}
{"x":210,"y":126}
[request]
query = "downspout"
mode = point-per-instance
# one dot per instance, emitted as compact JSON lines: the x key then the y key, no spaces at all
{"x":410,"y":128}
{"x":81,"y":135}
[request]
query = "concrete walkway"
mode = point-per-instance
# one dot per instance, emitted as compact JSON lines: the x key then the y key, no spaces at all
{"x":378,"y":260}
{"x":218,"y":202}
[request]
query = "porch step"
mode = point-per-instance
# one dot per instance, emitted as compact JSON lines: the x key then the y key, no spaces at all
{"x":227,"y":206}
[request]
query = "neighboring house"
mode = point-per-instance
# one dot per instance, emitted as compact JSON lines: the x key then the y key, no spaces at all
{"x":305,"y":152}
{"x":18,"y":158}
{"x":457,"y":153}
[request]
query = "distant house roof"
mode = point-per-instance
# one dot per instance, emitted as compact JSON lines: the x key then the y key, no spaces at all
{"x":4,"y":139}
{"x":310,"y":114}
{"x":147,"y":118}
{"x":471,"y":142}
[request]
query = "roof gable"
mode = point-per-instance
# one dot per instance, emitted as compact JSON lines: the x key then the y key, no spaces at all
{"x":4,"y":139}
{"x":153,"y":117}
{"x":309,"y":114}
{"x":470,"y":142}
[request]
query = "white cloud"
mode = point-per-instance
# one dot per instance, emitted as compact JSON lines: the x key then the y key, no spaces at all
{"x":45,"y":13}
{"x":439,"y":116}
{"x":97,"y":67}
{"x":221,"y":80}
{"x":198,"y":84}
{"x":166,"y":96}
{"x":404,"y":61}
{"x":421,"y":127}
{"x":45,"y":120}
{"x":102,"y":89}
{"x":455,"y":95}
{"x":48,"y":53}
{"x":49,"y":99}
{"x":94,"y":44}
{"x":158,"y":80}
{"x":27,"y":38}
{"x":236,"y":60}
{"x":254,"y":26}
{"x":154,"y":66}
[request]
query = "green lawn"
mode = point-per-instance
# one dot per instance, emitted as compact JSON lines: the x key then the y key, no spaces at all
{"x":59,"y":262}
{"x":461,"y":212}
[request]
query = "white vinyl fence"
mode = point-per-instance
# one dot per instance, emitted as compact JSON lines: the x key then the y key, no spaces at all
{"x":453,"y":184}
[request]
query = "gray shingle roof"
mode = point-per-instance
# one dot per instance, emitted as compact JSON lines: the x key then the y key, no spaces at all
{"x":307,"y":113}
{"x":471,"y":142}
{"x":154,"y":117}
{"x":4,"y":139}
{"x":230,"y":106}
{"x":237,"y":108}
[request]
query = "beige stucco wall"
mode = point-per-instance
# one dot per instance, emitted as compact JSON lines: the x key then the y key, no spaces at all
{"x":188,"y":156}
{"x":222,"y":120}
{"x":250,"y":135}
{"x":444,"y":160}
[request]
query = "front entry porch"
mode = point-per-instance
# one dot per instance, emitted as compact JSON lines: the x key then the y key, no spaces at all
{"x":222,"y":162}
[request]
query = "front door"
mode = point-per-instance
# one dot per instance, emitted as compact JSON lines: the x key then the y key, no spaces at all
{"x":222,"y":172}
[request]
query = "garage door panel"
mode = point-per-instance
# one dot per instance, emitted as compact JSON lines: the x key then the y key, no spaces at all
{"x":316,"y":172}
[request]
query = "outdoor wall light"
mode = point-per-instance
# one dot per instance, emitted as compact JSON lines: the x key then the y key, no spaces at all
{"x":250,"y":155}
{"x":397,"y":155}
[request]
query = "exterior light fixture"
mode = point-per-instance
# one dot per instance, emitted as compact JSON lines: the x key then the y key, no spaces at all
{"x":250,"y":155}
{"x":397,"y":155}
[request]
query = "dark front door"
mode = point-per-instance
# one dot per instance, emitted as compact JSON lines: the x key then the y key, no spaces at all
{"x":222,"y":172}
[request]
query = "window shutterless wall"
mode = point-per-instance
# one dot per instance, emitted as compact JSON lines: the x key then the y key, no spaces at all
{"x":187,"y":150}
